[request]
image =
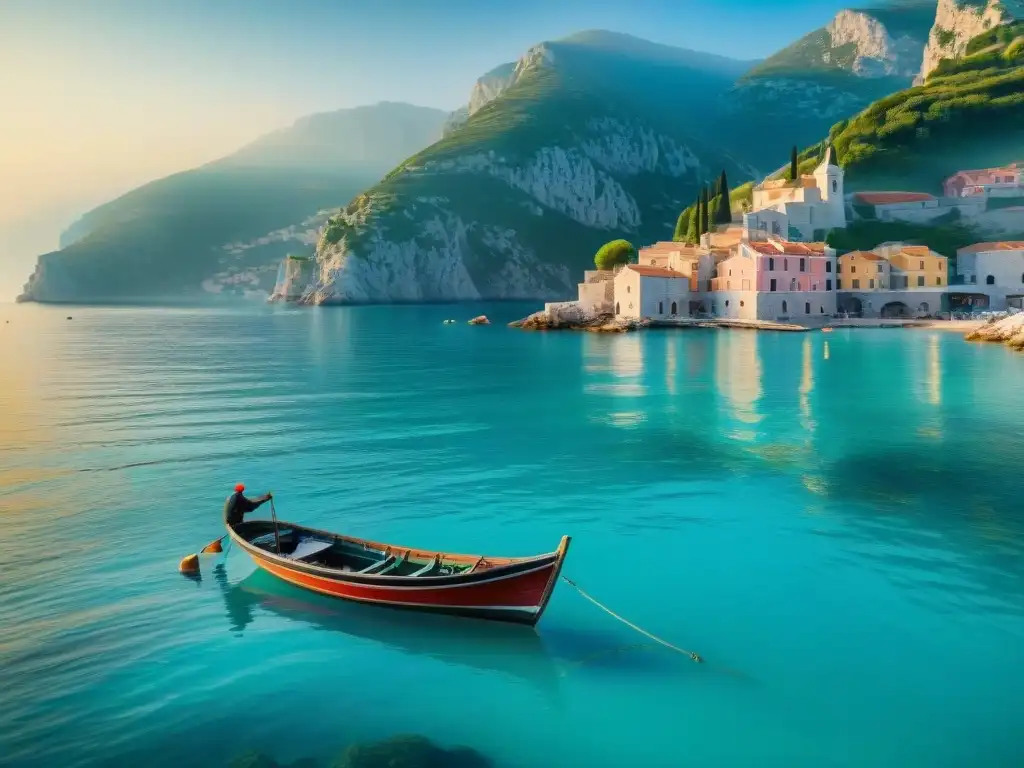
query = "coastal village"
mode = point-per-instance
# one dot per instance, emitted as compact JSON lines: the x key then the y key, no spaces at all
{"x":770,"y":266}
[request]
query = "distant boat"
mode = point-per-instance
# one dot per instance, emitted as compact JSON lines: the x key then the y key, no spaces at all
{"x":513,"y":589}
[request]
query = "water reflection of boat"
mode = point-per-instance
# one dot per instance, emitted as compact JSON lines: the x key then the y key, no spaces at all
{"x":511,"y":649}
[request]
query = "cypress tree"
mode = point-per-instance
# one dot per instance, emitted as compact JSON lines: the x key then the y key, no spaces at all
{"x":682,"y":225}
{"x":692,"y":235}
{"x":793,"y":164}
{"x":704,"y":199}
{"x":725,"y":207}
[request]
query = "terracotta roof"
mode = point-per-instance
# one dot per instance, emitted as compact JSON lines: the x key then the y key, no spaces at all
{"x":916,"y":250}
{"x":776,"y":248}
{"x":889,"y":198}
{"x":654,"y":271}
{"x":1006,"y":245}
{"x":867,"y":255}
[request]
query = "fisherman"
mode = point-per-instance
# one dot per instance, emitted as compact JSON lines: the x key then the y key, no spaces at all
{"x":237,"y":505}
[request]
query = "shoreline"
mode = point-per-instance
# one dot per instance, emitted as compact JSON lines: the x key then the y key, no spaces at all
{"x":542,"y":321}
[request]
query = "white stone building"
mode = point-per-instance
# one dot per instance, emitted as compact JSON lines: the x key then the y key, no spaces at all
{"x":995,"y":270}
{"x":802,"y":210}
{"x":651,"y":292}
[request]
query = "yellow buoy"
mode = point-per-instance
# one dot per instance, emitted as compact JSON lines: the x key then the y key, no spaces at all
{"x":189,"y":564}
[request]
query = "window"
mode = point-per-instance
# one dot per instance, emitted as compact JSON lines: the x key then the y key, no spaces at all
{"x":616,"y":307}
{"x":741,"y":302}
{"x":839,"y":284}
{"x":990,"y":280}
{"x":628,"y":289}
{"x":1022,"y":278}
{"x":853,"y":269}
{"x":922,"y":265}
{"x":821,"y":310}
{"x":807,"y":308}
{"x":727,"y":302}
{"x":771,"y":285}
{"x":856,"y":284}
{"x":661,"y":308}
{"x":771,"y":264}
{"x":938,"y":280}
{"x":920,"y":280}
{"x":835,"y":185}
{"x":879,"y":267}
{"x":784,"y":307}
{"x":803,"y":265}
{"x":828,"y":266}
{"x":828,"y":285}
{"x":785,"y":264}
{"x":871,"y":283}
{"x":730,"y":273}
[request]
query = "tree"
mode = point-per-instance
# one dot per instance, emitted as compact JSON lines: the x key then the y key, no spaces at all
{"x":725,"y":208}
{"x":713,"y":207}
{"x":692,"y":231}
{"x":614,"y":253}
{"x":793,"y":164}
{"x":682,"y":225}
{"x":704,"y":221}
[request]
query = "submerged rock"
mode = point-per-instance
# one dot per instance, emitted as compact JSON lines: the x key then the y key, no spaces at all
{"x":409,"y":752}
{"x":480,"y":320}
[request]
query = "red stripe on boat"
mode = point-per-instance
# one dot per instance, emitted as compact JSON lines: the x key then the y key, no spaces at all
{"x":519,"y":591}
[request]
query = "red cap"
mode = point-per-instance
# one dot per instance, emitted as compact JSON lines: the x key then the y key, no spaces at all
{"x":239,"y":488}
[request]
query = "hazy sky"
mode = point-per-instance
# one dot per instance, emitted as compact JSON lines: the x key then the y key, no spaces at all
{"x":100,"y":96}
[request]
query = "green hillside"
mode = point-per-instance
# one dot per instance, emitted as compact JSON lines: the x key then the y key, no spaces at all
{"x":165,"y":238}
{"x":969,"y":114}
{"x":587,"y":118}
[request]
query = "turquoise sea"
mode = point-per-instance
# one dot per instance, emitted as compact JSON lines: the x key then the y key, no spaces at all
{"x":834,"y":522}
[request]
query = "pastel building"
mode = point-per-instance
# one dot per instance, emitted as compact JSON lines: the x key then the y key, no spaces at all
{"x":643,"y":291}
{"x":914,"y":266}
{"x":918,"y":207}
{"x":863,"y":271}
{"x":1007,"y":180}
{"x":801,"y":210}
{"x":776,"y":280}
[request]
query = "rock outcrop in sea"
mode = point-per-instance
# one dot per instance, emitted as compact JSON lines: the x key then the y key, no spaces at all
{"x":1009,"y":330}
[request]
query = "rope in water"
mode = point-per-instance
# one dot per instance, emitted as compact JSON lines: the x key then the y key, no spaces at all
{"x":692,"y":654}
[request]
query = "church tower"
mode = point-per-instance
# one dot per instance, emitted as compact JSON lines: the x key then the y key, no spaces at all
{"x":828,"y":177}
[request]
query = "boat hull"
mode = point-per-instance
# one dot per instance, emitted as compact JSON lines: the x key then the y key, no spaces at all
{"x":516,"y":590}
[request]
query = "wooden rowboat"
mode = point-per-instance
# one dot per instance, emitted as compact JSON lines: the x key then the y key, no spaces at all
{"x":514,"y":589}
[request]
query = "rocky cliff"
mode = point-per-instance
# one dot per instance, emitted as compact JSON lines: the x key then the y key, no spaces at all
{"x":514,"y":203}
{"x":828,"y":74}
{"x":957,"y":22}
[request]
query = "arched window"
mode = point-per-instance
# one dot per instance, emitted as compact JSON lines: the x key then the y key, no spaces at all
{"x":807,"y":308}
{"x":628,"y":289}
{"x":835,"y":185}
{"x":990,"y":280}
{"x":822,"y":310}
{"x":727,"y":302}
{"x":674,"y":309}
{"x":784,"y":306}
{"x":616,"y":307}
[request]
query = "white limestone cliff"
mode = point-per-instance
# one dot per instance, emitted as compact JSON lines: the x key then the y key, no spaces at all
{"x":424,"y":249}
{"x":957,"y":22}
{"x":491,"y":86}
{"x":877,"y":52}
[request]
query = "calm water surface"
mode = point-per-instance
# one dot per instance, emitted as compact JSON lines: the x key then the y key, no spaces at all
{"x":834,"y":522}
